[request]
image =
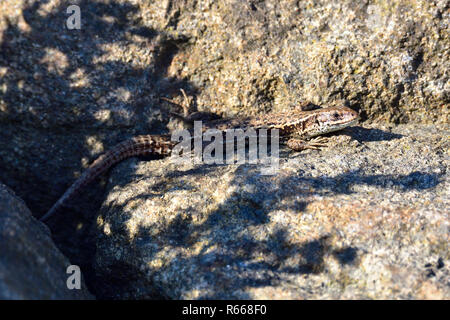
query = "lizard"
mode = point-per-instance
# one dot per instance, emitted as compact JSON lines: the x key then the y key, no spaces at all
{"x":296,"y":128}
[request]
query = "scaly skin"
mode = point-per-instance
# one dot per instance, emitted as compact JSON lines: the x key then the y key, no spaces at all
{"x":301,"y":124}
{"x":136,"y":146}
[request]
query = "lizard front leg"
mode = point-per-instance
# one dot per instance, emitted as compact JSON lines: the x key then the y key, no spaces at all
{"x":298,"y":144}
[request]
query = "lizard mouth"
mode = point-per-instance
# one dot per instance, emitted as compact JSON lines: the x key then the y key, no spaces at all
{"x":344,"y":125}
{"x":351,"y":123}
{"x":336,"y":127}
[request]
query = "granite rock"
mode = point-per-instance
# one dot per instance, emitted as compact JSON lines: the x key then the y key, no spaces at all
{"x":31,"y":266}
{"x":66,"y":96}
{"x":367,"y":218}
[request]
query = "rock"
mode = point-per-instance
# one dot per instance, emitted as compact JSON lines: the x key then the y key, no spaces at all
{"x":66,"y":96}
{"x":74,"y":93}
{"x":366,"y":218}
{"x":31,"y":266}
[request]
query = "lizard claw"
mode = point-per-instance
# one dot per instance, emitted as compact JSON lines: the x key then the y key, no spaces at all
{"x":314,"y":144}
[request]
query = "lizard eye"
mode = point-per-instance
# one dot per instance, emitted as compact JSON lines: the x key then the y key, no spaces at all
{"x":336,"y":115}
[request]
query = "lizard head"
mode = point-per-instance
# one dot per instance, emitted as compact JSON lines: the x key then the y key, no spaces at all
{"x":331,"y":119}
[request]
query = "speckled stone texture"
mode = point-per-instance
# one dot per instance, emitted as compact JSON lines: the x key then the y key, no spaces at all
{"x":31,"y":266}
{"x":66,"y":96}
{"x":366,"y":218}
{"x":72,"y":94}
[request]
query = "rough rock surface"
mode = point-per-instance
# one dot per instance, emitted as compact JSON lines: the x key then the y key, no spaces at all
{"x":366,"y":218}
{"x":68,"y":95}
{"x":31,"y":266}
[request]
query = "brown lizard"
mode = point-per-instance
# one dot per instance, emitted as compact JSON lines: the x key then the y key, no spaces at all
{"x":294,"y":127}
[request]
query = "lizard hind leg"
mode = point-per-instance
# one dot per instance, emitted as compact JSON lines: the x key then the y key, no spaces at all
{"x":297,"y":144}
{"x":185,"y":106}
{"x":189,"y":116}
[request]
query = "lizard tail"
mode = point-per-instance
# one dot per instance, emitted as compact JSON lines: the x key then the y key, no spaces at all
{"x":140,"y":145}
